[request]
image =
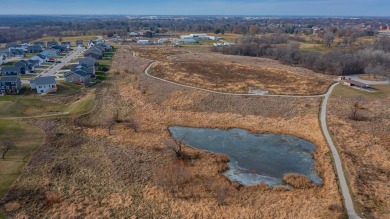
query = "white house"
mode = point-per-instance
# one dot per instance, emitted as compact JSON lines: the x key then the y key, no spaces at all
{"x":143,"y":42}
{"x":44,"y":85}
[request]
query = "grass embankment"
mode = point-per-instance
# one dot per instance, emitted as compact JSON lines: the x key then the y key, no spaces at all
{"x":382,"y":91}
{"x":27,"y":139}
{"x":29,"y":104}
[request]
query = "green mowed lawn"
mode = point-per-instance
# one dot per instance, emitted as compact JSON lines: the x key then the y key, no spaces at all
{"x":101,"y":75}
{"x":27,"y":139}
{"x":382,"y":91}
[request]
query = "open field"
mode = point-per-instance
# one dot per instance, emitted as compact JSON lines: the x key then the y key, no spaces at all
{"x":239,"y":74}
{"x":88,"y":168}
{"x":364,"y":145}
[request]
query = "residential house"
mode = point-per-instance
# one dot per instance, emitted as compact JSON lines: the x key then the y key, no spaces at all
{"x":60,"y":48}
{"x":87,"y":61}
{"x":18,"y":53}
{"x":66,"y":44}
{"x":42,"y":44}
{"x":25,"y":45}
{"x":106,"y":46}
{"x":94,"y":42}
{"x":51,"y":52}
{"x":10,"y":85}
{"x":34,"y":49}
{"x":15,"y":46}
{"x":80,"y":43}
{"x":44,"y":85}
{"x":94,"y":55}
{"x":78,"y":77}
{"x":52,"y":43}
{"x":41,"y":58}
{"x":33,"y":64}
{"x":25,"y":67}
{"x":88,"y":69}
{"x":11,"y":70}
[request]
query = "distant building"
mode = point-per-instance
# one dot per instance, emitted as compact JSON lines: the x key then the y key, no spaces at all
{"x":44,"y":85}
{"x":143,"y":42}
{"x":10,"y":85}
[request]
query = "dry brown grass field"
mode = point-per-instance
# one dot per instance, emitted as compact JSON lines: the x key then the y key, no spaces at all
{"x":364,"y":145}
{"x":233,"y":74}
{"x":92,"y":166}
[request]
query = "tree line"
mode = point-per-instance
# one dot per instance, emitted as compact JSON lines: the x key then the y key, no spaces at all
{"x":371,"y":59}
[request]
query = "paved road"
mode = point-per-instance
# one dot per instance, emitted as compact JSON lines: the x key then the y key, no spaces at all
{"x":336,"y":157}
{"x":64,"y":61}
{"x":356,"y":78}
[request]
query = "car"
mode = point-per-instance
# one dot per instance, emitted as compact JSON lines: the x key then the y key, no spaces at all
{"x":58,"y":61}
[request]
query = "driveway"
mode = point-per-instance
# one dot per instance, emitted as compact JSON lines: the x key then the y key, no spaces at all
{"x":356,"y":78}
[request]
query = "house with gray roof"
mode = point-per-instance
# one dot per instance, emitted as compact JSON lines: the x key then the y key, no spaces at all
{"x":79,"y":76}
{"x":10,"y":85}
{"x":11,"y":70}
{"x":34,"y":49}
{"x":93,"y":54}
{"x":42,"y":44}
{"x":50,"y":53}
{"x":66,"y":44}
{"x":25,"y":67}
{"x":52,"y":43}
{"x":89,"y":61}
{"x":79,"y":43}
{"x":19,"y":53}
{"x":44,"y":85}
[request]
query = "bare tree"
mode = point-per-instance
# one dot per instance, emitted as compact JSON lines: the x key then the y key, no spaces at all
{"x":329,"y":38}
{"x":355,"y":108}
{"x":176,"y":145}
{"x":7,"y":146}
{"x":109,"y":121}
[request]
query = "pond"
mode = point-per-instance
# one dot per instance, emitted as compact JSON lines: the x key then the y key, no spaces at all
{"x":254,"y":158}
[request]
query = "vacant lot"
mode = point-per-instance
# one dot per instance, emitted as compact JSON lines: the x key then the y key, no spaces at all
{"x":239,"y":74}
{"x":364,"y":144}
{"x":113,"y":162}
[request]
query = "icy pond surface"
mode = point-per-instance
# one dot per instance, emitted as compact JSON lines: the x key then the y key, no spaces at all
{"x":254,"y":158}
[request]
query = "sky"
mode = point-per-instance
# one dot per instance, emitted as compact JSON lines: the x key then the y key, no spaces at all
{"x":199,"y":7}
